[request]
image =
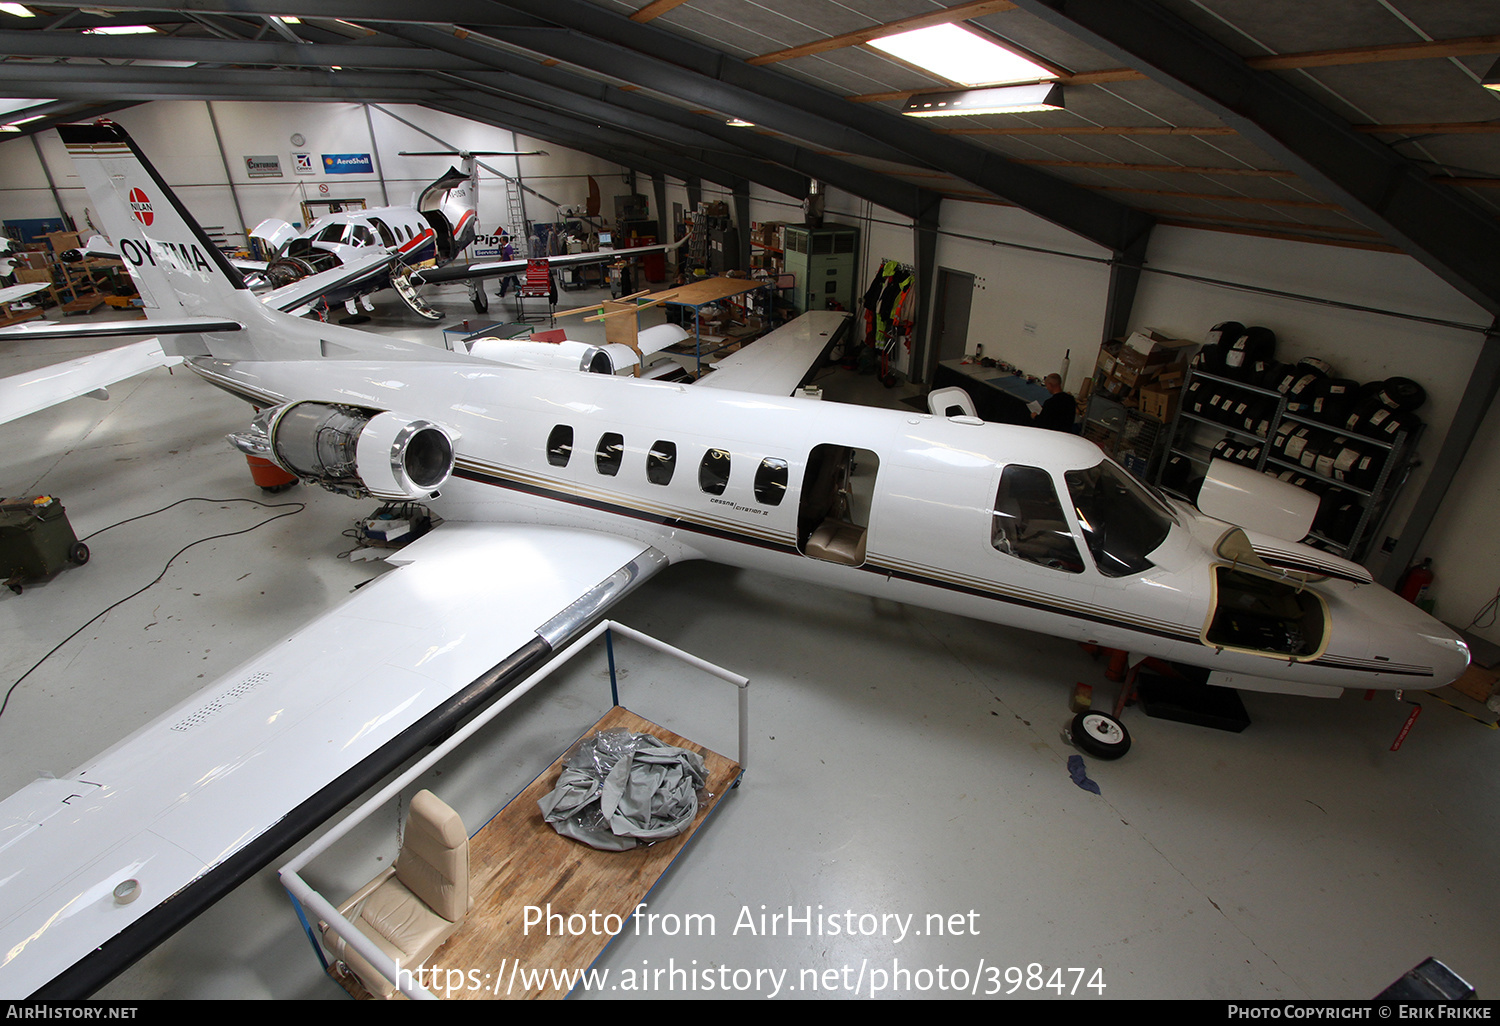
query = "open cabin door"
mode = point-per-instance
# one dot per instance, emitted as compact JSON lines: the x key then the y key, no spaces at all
{"x":833,"y":513}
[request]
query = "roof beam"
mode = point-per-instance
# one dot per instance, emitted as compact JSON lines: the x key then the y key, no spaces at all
{"x":555,"y":84}
{"x":226,"y":51}
{"x":1442,"y":228}
{"x":614,"y":45}
{"x":655,"y":9}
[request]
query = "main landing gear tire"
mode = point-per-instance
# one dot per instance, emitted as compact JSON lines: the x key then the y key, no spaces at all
{"x":1100,"y":735}
{"x":481,"y":302}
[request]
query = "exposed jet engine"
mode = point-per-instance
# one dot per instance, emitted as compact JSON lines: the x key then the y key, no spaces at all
{"x":352,"y":450}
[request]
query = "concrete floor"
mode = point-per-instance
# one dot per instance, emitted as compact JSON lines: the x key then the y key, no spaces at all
{"x":901,"y":763}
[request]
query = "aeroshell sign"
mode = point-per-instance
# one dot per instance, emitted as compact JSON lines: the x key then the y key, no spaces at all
{"x":348,"y":164}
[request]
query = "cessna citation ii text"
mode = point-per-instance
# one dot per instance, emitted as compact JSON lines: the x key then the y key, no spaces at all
{"x":560,"y":491}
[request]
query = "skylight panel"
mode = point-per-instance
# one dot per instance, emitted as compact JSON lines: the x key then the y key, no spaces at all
{"x":959,"y":55}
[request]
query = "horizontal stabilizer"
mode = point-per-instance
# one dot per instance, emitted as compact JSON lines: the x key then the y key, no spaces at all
{"x":24,"y":394}
{"x":109,"y":329}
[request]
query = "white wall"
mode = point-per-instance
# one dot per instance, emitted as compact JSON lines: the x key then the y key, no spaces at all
{"x":179,"y":138}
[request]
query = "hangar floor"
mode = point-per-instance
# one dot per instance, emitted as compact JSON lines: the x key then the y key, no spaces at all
{"x":901,"y":763}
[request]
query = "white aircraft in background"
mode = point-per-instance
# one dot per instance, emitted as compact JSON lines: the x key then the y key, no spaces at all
{"x":401,"y":247}
{"x":560,"y":492}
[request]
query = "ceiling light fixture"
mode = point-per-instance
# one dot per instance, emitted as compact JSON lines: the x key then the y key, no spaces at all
{"x":1002,"y":100}
{"x":119,"y":30}
{"x":18,"y":10}
{"x":739,"y":123}
{"x":1491,"y":81}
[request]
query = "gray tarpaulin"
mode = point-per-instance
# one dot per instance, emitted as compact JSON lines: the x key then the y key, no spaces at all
{"x":619,"y":789}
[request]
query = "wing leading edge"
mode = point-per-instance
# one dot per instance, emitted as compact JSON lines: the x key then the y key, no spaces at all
{"x":203,"y":797}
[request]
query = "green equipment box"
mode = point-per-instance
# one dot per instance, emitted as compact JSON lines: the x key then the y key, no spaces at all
{"x":36,"y":541}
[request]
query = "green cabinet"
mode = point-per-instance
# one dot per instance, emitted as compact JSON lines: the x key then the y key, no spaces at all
{"x":824,"y":262}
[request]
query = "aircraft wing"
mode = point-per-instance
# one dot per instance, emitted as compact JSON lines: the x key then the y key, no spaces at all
{"x":24,"y":394}
{"x":779,"y":363}
{"x":297,"y":297}
{"x":11,"y":293}
{"x":495,"y":268}
{"x":203,"y":797}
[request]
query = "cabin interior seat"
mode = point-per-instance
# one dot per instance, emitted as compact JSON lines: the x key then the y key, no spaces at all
{"x":411,"y":908}
{"x":838,"y":542}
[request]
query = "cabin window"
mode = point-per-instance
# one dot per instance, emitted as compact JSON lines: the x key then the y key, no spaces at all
{"x":386,"y":238}
{"x":610,"y":452}
{"x":661,"y":460}
{"x":713,"y":471}
{"x":1029,"y":522}
{"x":834,"y":509}
{"x":770,"y":481}
{"x":363,"y":236}
{"x":1122,"y":522}
{"x":560,"y":445}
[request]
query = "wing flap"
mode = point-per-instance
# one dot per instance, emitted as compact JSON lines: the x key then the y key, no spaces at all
{"x":201,"y":797}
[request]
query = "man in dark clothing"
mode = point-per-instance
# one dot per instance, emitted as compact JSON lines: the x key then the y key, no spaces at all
{"x":1059,"y":411}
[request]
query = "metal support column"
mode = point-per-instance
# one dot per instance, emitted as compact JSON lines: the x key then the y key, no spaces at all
{"x":385,"y":196}
{"x":924,"y":248}
{"x":228,"y":175}
{"x":1124,"y":277}
{"x":742,"y":220}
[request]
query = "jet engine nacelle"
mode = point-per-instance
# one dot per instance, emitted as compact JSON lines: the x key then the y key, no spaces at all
{"x":352,"y":450}
{"x":611,"y":358}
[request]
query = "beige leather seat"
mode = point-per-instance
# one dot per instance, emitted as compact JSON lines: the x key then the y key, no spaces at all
{"x":411,"y":908}
{"x":838,"y":542}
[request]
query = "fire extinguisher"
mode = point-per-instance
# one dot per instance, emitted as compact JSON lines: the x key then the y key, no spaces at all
{"x":1415,"y":582}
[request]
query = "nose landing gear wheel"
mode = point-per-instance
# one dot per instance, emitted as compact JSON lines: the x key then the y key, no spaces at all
{"x":1100,"y":735}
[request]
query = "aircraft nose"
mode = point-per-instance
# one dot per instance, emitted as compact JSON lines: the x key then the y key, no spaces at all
{"x":1453,"y":658}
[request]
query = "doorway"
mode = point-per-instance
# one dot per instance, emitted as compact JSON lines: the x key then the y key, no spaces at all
{"x":950,"y":318}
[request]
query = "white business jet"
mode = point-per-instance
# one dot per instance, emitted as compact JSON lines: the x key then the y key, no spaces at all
{"x":561,"y":492}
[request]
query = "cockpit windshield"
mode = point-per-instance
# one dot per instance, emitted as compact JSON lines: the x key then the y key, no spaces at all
{"x":1122,"y":521}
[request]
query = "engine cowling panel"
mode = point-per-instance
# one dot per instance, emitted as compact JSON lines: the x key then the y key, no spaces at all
{"x":353,"y":450}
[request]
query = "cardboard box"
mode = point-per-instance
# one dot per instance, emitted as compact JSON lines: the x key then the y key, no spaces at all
{"x":1147,"y":349}
{"x":1478,"y":682}
{"x":1160,"y":403}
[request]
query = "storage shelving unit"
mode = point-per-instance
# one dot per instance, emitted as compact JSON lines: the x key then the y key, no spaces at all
{"x":1187,"y":430}
{"x":1135,"y":441}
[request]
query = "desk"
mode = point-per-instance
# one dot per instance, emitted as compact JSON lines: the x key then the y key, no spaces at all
{"x":998,"y":395}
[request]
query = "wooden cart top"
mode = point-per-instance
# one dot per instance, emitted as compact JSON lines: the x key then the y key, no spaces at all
{"x":711,"y":290}
{"x":518,"y":860}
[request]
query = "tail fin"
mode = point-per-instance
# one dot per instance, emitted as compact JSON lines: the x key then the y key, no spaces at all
{"x":177,"y":269}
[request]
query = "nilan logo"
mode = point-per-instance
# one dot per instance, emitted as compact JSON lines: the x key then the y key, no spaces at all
{"x":140,"y":207}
